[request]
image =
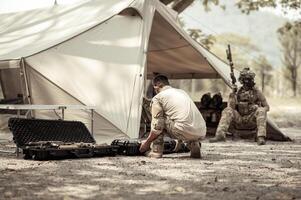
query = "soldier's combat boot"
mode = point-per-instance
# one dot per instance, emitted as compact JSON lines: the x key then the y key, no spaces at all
{"x":260,"y":140}
{"x":195,"y":149}
{"x":218,"y":138}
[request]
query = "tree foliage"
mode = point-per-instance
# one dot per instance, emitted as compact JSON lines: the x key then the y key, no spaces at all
{"x":206,"y":40}
{"x":263,"y":70}
{"x":240,"y":46}
{"x":290,"y":39}
{"x":178,"y":5}
{"x":208,"y":3}
{"x":247,"y":6}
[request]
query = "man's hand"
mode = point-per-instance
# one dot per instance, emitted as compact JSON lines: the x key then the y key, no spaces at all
{"x":232,"y":95}
{"x":145,"y":146}
{"x":234,"y":88}
{"x":254,"y":107}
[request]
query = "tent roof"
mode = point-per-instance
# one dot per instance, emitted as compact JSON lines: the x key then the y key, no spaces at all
{"x":170,"y":50}
{"x":169,"y":53}
{"x":26,"y":33}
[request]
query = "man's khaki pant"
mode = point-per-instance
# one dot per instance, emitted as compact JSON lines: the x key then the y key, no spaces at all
{"x":172,"y":132}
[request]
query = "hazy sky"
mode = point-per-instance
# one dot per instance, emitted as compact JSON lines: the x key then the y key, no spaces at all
{"x":259,"y":26}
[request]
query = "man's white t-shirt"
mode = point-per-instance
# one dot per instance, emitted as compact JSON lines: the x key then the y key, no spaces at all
{"x":178,"y":106}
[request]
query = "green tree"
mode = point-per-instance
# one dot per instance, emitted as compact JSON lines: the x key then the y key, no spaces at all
{"x":240,"y":46}
{"x":263,"y":70}
{"x":178,"y":5}
{"x":208,"y":3}
{"x":290,"y":39}
{"x":206,"y":40}
{"x":247,"y":6}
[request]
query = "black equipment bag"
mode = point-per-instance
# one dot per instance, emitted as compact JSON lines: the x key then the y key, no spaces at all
{"x":170,"y":146}
{"x":54,"y":139}
{"x":130,"y":147}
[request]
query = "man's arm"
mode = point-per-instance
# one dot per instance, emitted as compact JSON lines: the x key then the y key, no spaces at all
{"x":232,"y":100}
{"x":145,"y":146}
{"x":263,"y":101}
{"x":157,"y":125}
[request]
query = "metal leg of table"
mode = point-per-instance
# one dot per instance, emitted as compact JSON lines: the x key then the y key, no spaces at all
{"x":92,"y":121}
{"x":63,"y":113}
{"x":17,"y":148}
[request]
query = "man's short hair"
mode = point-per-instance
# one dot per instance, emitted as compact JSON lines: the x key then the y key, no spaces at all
{"x":160,"y":79}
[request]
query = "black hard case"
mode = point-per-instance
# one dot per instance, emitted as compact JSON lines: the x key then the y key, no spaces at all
{"x":42,"y":139}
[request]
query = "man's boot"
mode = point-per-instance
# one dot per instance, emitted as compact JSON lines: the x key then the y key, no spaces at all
{"x":195,"y":149}
{"x":218,"y":138}
{"x":157,"y":148}
{"x":260,"y":140}
{"x":179,"y":146}
{"x":155,"y":152}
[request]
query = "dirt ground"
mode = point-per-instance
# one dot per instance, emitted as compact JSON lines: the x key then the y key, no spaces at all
{"x":228,"y":170}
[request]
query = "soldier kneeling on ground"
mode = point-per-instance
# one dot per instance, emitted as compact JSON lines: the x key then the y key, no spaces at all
{"x":247,"y":106}
{"x":175,"y":114}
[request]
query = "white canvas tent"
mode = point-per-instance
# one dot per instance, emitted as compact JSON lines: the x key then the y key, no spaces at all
{"x":99,"y":53}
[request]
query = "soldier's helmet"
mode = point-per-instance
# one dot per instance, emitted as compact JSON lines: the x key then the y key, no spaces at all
{"x":246,"y":73}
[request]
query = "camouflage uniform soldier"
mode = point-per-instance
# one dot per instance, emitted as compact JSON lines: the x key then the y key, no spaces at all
{"x":246,"y":108}
{"x":175,"y":114}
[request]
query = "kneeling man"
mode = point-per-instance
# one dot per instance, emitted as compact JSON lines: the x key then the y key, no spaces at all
{"x":175,"y":114}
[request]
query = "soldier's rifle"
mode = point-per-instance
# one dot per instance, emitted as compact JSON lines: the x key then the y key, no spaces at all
{"x":233,"y":79}
{"x":59,"y":145}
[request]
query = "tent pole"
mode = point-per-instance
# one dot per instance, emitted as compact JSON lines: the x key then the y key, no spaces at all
{"x":25,"y":83}
{"x":24,"y":74}
{"x":1,"y":89}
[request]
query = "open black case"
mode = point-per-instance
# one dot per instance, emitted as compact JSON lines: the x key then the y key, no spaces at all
{"x":42,"y":139}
